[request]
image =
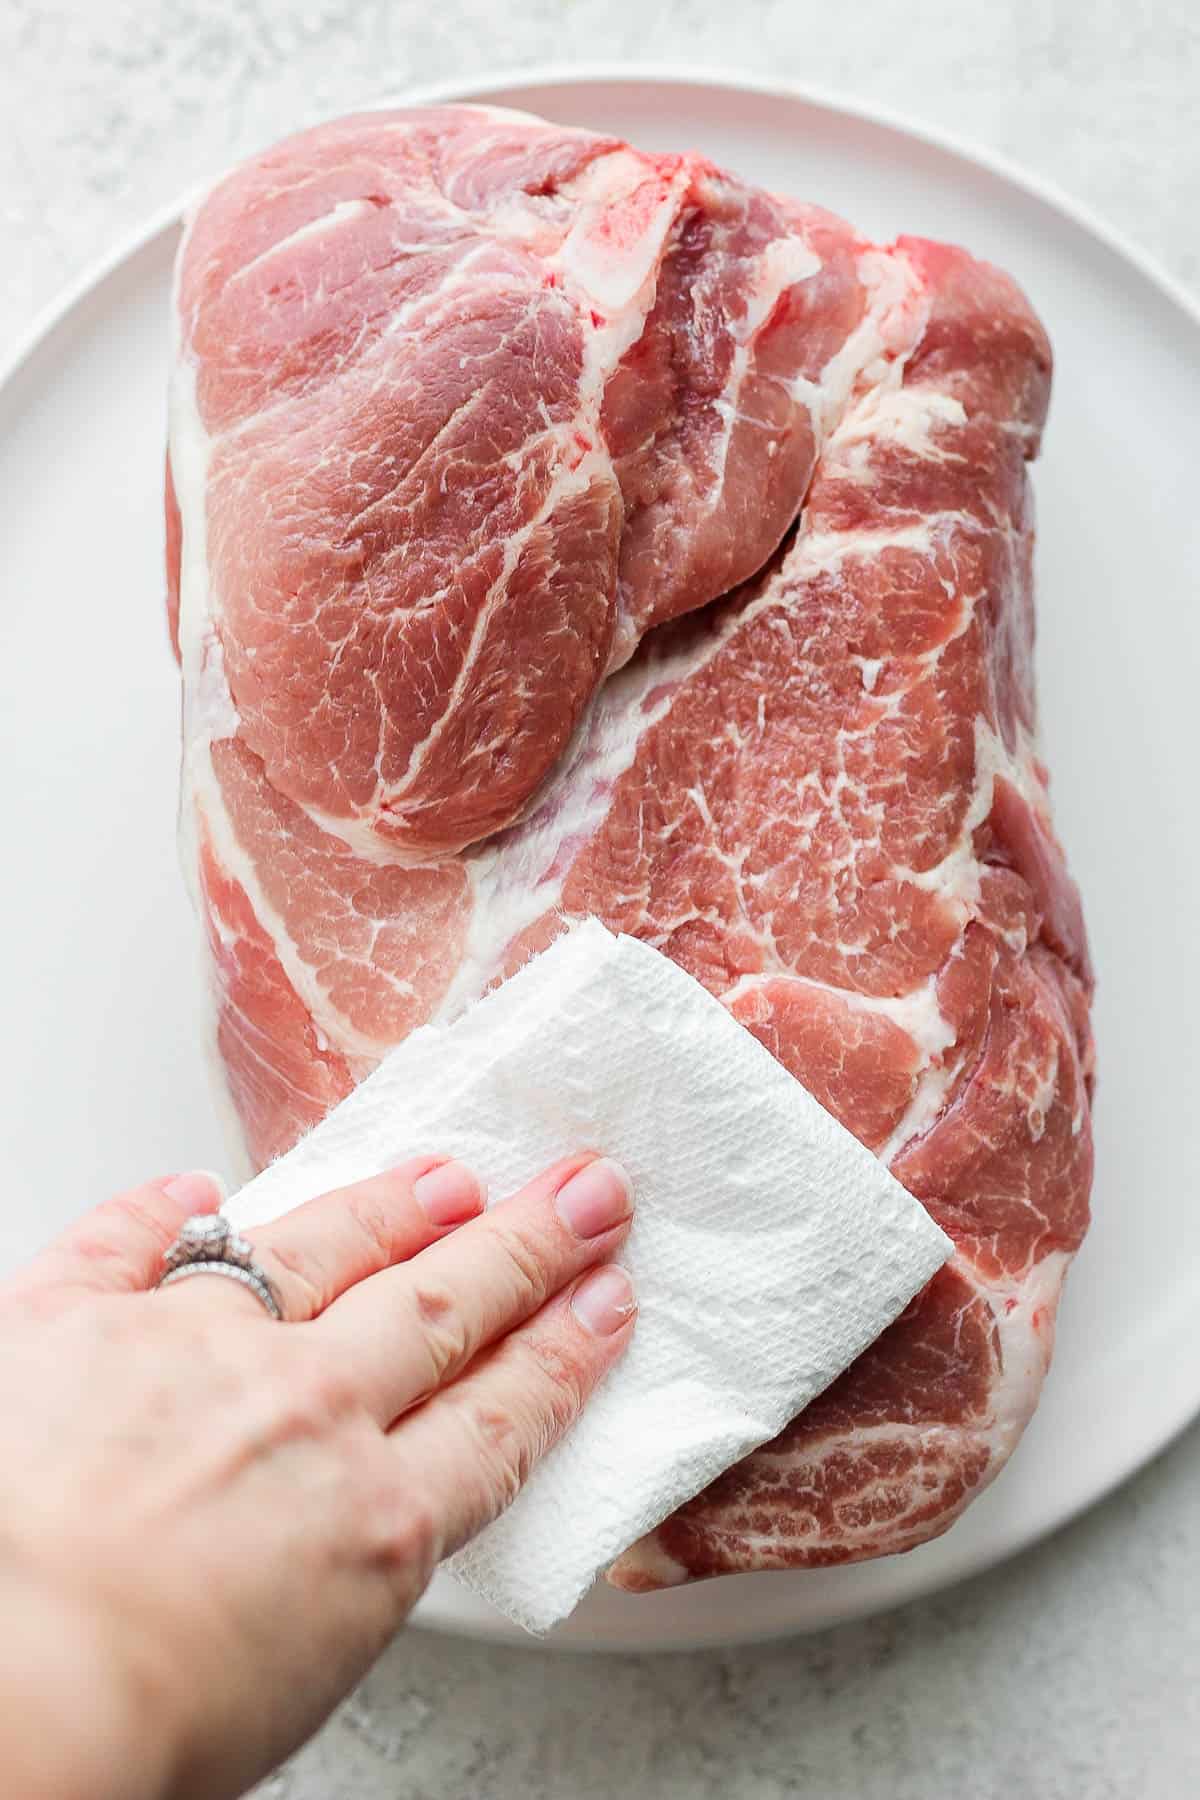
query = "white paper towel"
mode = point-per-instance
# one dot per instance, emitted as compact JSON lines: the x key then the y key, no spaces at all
{"x":768,"y":1247}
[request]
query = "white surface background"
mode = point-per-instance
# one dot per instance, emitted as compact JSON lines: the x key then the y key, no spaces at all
{"x":1073,"y":1672}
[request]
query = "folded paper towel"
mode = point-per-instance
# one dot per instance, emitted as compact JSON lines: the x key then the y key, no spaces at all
{"x":768,"y":1247}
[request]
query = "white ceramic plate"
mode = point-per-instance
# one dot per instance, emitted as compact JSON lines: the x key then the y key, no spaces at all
{"x":105,"y":1080}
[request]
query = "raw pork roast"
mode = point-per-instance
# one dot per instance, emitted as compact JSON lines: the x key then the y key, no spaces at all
{"x":555,"y":529}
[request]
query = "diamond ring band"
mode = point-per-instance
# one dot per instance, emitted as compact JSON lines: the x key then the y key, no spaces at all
{"x":208,"y":1245}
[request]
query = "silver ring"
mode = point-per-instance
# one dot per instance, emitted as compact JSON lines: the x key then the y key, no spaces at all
{"x":208,"y":1245}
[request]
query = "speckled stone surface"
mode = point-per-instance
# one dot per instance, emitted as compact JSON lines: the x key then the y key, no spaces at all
{"x":1072,"y":1673}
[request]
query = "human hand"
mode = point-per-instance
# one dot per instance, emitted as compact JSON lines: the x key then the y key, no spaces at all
{"x":212,"y":1522}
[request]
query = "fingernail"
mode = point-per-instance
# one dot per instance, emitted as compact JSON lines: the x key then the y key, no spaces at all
{"x":198,"y":1189}
{"x":449,"y":1194}
{"x":595,"y":1199}
{"x":604,"y":1301}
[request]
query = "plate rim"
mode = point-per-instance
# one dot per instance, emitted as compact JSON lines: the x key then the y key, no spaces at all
{"x":54,"y":312}
{"x":73,"y":296}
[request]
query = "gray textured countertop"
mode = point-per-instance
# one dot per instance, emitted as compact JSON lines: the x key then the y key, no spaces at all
{"x":1073,"y":1671}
